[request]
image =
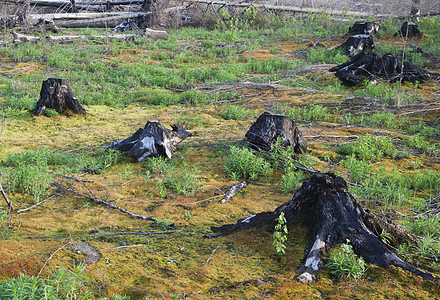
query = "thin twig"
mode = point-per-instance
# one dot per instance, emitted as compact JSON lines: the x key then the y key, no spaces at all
{"x":9,"y":203}
{"x":207,"y":261}
{"x":36,"y":204}
{"x":50,"y":257}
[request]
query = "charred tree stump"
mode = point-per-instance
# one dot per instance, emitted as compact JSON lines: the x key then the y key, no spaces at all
{"x":357,"y":43}
{"x":56,"y":94}
{"x":372,"y":67}
{"x":409,"y":30}
{"x":269,"y":127}
{"x":332,"y":216}
{"x":44,"y":25}
{"x":370,"y":28}
{"x":152,"y":140}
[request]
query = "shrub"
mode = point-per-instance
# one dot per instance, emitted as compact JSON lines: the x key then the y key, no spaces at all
{"x":183,"y":180}
{"x":342,"y":262}
{"x":243,"y":163}
{"x":291,"y":180}
{"x":370,"y":147}
{"x":234,"y":112}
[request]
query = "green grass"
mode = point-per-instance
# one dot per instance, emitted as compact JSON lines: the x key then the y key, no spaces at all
{"x":242,"y":163}
{"x":370,"y":147}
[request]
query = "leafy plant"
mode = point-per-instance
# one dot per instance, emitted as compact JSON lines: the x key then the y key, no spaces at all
{"x":234,"y":112}
{"x":183,"y":180}
{"x":164,"y":224}
{"x":4,"y":228}
{"x":291,"y":180}
{"x":243,"y":163}
{"x":280,"y":234}
{"x":370,"y":147}
{"x":343,"y":262}
{"x":51,"y":112}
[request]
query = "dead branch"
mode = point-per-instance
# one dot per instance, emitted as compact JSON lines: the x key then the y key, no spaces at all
{"x":9,"y":203}
{"x":233,"y":190}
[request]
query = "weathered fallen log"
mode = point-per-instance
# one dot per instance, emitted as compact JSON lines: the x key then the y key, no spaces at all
{"x":45,"y":25}
{"x":370,"y":28}
{"x":372,"y":67}
{"x":148,"y":33}
{"x":332,"y":216}
{"x":269,"y":127}
{"x":233,"y":190}
{"x":357,"y":43}
{"x":56,"y":94}
{"x":409,"y":30}
{"x":152,"y":140}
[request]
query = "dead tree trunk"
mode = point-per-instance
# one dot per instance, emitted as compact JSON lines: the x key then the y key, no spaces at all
{"x":56,"y":94}
{"x":332,"y":216}
{"x":409,"y":30}
{"x":152,"y":140}
{"x":370,"y":28}
{"x":269,"y":127}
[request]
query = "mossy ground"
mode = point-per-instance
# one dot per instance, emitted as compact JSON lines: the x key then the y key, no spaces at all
{"x":182,"y":262}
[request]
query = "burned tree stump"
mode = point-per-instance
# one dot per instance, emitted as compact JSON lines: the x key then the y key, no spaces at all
{"x":45,"y":25}
{"x":269,"y":127}
{"x":370,"y":28}
{"x":152,"y":140}
{"x":357,"y":43}
{"x":56,"y":94}
{"x":372,"y":67}
{"x":409,"y":30}
{"x":332,"y":216}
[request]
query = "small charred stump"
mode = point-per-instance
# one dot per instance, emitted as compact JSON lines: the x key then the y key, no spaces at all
{"x":45,"y":25}
{"x":332,"y":216}
{"x":370,"y":28}
{"x":56,"y":94}
{"x":152,"y":140}
{"x":269,"y":127}
{"x":372,"y":67}
{"x":409,"y":30}
{"x":357,"y":43}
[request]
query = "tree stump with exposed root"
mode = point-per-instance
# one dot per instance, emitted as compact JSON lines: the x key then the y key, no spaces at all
{"x":56,"y":94}
{"x":332,"y":216}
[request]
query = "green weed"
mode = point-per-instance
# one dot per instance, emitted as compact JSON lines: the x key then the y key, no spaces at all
{"x":342,"y":262}
{"x":291,"y":180}
{"x":280,"y":235}
{"x":370,"y":147}
{"x":183,"y":180}
{"x":235,"y":112}
{"x":243,"y":163}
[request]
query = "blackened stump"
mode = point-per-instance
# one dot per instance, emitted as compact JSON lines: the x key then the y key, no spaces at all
{"x":152,"y":140}
{"x":269,"y":127}
{"x":357,"y":43}
{"x":372,"y":67}
{"x":409,"y":30}
{"x":370,"y":28}
{"x":332,"y":216}
{"x":56,"y":94}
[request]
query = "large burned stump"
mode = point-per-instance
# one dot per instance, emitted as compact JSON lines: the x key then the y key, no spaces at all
{"x":372,"y":67}
{"x":56,"y":94}
{"x":152,"y":140}
{"x":370,"y":28}
{"x":357,"y":43}
{"x":269,"y":127}
{"x":332,"y":216}
{"x":409,"y":30}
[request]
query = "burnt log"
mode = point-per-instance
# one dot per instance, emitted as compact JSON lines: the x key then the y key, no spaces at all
{"x":409,"y":30}
{"x":332,"y":217}
{"x":357,"y":43}
{"x":269,"y":127}
{"x":56,"y":94}
{"x":152,"y":140}
{"x":372,"y":67}
{"x":370,"y":28}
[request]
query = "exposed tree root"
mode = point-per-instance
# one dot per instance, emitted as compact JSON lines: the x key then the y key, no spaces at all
{"x":333,"y":217}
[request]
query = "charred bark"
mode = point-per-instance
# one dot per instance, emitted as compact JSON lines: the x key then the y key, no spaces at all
{"x":269,"y":127}
{"x":152,"y":140}
{"x":409,"y":30}
{"x":332,"y":216}
{"x":370,"y":28}
{"x":372,"y":67}
{"x":56,"y":94}
{"x":357,"y":43}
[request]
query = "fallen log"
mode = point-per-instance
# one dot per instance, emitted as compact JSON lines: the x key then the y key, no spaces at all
{"x":270,"y":127}
{"x":152,"y":140}
{"x":372,"y":67}
{"x":56,"y":94}
{"x":148,"y":33}
{"x":332,"y":216}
